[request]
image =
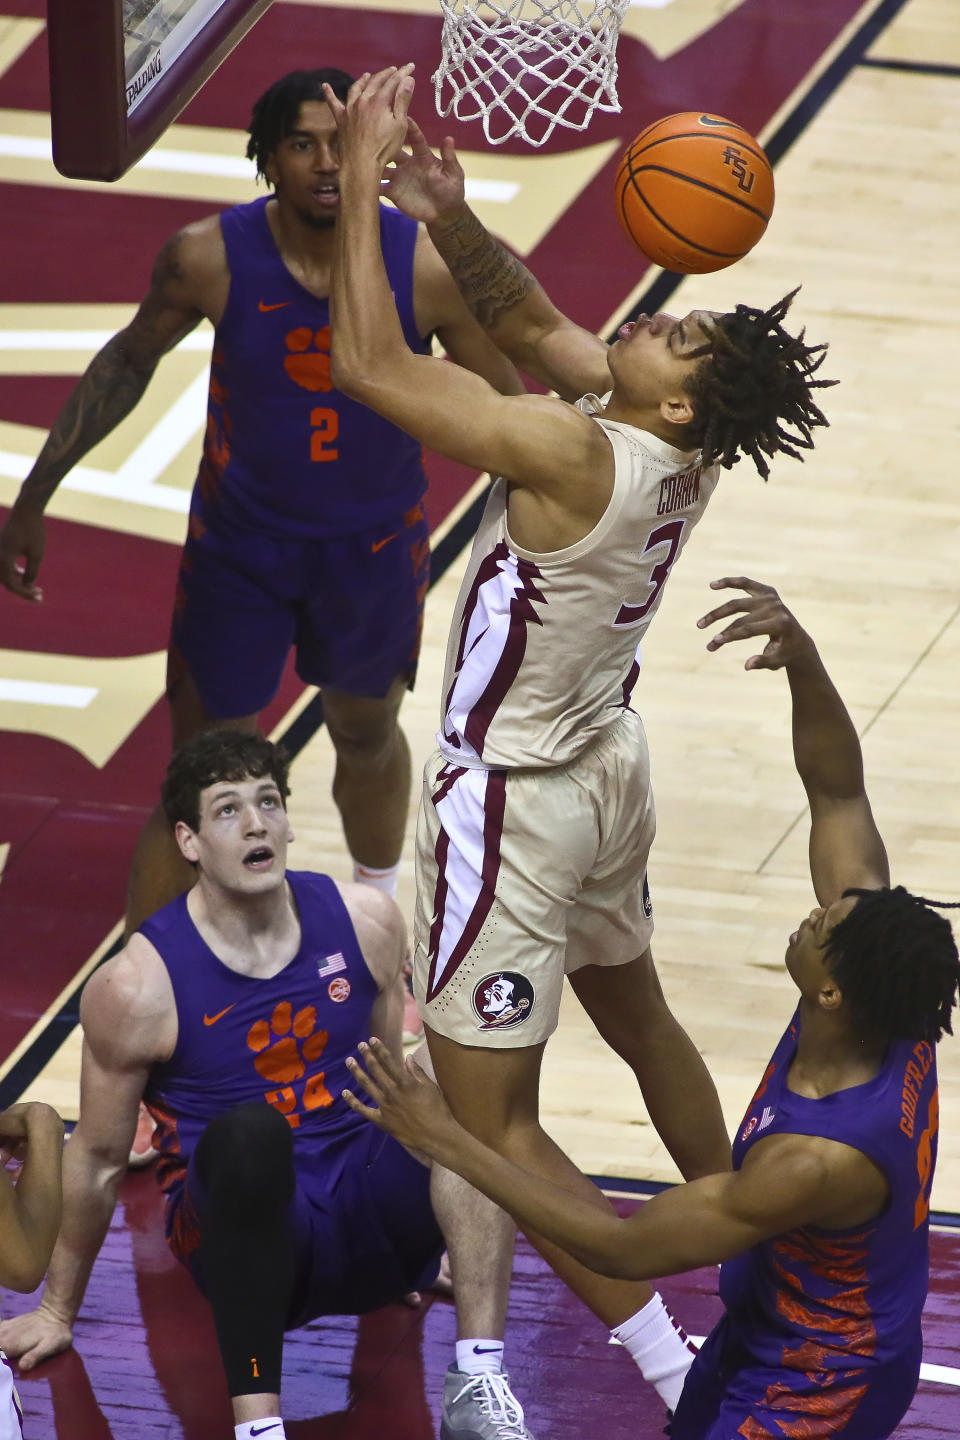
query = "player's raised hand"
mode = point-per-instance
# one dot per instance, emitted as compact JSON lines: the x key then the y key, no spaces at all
{"x":422,"y":184}
{"x":760,"y":612}
{"x":408,"y":1104}
{"x":22,"y":543}
{"x":34,"y":1337}
{"x":373,"y":121}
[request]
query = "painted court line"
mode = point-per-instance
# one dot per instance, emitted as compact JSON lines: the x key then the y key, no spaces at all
{"x":43,"y":692}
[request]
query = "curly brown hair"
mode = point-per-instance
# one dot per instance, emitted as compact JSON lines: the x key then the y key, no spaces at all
{"x":223,"y":753}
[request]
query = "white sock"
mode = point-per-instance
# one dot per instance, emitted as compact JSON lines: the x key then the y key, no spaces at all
{"x":660,"y":1348}
{"x":385,"y":880}
{"x":478,"y":1357}
{"x":270,"y":1427}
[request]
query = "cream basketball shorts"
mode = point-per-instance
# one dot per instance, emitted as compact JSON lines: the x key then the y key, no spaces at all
{"x":524,"y":876}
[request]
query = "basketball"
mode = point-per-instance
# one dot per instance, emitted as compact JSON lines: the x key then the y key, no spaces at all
{"x":694,"y":192}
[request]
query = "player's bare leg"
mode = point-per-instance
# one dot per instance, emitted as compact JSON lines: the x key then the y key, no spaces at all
{"x":627,"y":1005}
{"x":477,"y":1395}
{"x":480,"y":1241}
{"x":371,"y":782}
{"x":495,"y":1095}
{"x":480,"y":1238}
{"x":158,"y":872}
{"x":247,"y":1409}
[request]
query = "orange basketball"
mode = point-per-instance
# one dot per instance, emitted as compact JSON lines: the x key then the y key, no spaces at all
{"x":694,"y":192}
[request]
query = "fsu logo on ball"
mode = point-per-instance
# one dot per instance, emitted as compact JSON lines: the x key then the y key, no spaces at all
{"x":338,"y":990}
{"x":502,"y":999}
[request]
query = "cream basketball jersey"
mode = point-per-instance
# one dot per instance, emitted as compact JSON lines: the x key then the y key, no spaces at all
{"x":542,"y":654}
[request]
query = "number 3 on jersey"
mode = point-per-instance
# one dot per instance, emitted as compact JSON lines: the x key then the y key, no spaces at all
{"x":325,"y":427}
{"x":669,"y":535}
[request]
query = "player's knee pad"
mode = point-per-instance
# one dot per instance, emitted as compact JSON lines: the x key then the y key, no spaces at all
{"x":244,"y":1161}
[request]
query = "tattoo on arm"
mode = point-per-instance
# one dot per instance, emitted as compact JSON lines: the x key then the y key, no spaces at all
{"x":491,"y":280}
{"x":114,"y":380}
{"x":107,"y":393}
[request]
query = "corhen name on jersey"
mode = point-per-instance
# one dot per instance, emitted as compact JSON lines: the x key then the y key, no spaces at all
{"x":543,"y":650}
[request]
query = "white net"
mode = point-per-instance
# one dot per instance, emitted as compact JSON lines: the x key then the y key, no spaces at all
{"x":527,"y":66}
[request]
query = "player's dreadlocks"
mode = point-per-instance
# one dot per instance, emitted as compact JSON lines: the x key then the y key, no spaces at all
{"x":756,"y":384}
{"x":895,"y":961}
{"x":275,"y":113}
{"x":223,"y":753}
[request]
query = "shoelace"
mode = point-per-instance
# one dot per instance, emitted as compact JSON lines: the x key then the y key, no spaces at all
{"x":498,"y":1403}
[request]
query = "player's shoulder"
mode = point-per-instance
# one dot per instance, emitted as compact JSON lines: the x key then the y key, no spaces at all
{"x":192,"y":255}
{"x":379,"y":926}
{"x":129,"y":1000}
{"x":801,"y":1170}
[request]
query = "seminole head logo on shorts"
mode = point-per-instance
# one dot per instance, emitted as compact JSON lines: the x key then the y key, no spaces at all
{"x":502,"y":999}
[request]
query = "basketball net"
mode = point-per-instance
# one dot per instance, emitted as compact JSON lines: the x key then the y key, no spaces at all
{"x":524,"y":67}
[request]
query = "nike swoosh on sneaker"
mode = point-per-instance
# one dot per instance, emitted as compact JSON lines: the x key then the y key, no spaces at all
{"x":212,"y":1019}
{"x":379,"y":544}
{"x":282,"y":304}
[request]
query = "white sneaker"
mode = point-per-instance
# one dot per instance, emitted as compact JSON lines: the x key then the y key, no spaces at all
{"x":480,"y":1407}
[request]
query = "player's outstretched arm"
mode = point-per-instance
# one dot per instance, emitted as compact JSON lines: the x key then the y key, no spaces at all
{"x":126,"y":1022}
{"x":846,"y":849}
{"x":440,"y":310}
{"x":107,"y":392}
{"x":538,"y":443}
{"x":787,"y":1181}
{"x":30,"y":1210}
{"x":499,"y":290}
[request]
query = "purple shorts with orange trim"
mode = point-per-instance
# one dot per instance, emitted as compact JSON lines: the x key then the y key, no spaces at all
{"x":730,"y":1395}
{"x":373,"y":1239}
{"x":351,"y":606}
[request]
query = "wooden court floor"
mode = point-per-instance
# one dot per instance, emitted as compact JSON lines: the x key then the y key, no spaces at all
{"x":863,"y":540}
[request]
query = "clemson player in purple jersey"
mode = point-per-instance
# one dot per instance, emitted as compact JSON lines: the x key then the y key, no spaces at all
{"x":822,"y":1226}
{"x":231,"y":1012}
{"x":306,"y":522}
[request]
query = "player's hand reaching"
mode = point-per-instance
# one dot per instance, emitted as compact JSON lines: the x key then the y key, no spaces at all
{"x":34,"y":1337}
{"x":373,"y":121}
{"x":760,"y":612}
{"x":408,"y":1103}
{"x":22,"y":539}
{"x":424,"y":185}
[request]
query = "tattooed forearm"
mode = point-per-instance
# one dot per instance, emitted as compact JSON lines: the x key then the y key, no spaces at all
{"x":117,"y":376}
{"x":491,"y":280}
{"x":107,"y":392}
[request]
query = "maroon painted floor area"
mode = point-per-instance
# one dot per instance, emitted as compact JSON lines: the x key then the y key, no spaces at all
{"x":146,"y":1367}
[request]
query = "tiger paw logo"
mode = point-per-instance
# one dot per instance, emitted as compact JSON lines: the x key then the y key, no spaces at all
{"x":283,"y":1047}
{"x":308,"y":361}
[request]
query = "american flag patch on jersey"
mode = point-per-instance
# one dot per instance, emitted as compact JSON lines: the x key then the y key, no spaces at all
{"x":330,"y":964}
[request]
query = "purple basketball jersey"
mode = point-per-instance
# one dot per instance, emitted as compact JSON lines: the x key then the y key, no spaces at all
{"x":816,"y":1300}
{"x":285,"y":454}
{"x":281,"y":1041}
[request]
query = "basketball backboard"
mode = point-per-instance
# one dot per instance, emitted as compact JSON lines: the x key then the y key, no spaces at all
{"x":122,"y":70}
